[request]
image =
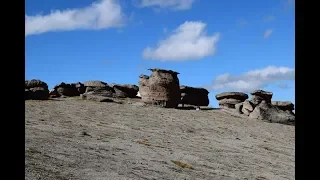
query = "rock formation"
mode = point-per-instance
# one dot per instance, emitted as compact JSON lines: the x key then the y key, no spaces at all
{"x":284,"y":105}
{"x":259,"y":95}
{"x":230,"y":99}
{"x":268,"y":112}
{"x":261,"y":107}
{"x":125,"y":90}
{"x":64,"y":89}
{"x":98,"y":88}
{"x":160,"y":88}
{"x":194,"y":96}
{"x":36,"y":89}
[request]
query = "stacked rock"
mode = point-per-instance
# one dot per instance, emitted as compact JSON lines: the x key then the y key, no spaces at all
{"x":36,"y":89}
{"x":261,"y":107}
{"x":230,"y":99}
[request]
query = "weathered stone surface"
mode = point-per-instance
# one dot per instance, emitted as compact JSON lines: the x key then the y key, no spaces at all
{"x":67,"y":89}
{"x":125,"y":90}
{"x":161,"y":88}
{"x":239,"y":107}
{"x":248,"y":105}
{"x":259,"y":95}
{"x":284,"y":105}
{"x":36,"y":89}
{"x":80,"y":87}
{"x":232,"y":95}
{"x":35,"y":83}
{"x":95,"y":83}
{"x":194,"y":96}
{"x":267,"y":112}
{"x":230,"y":103}
{"x":245,"y":111}
{"x":38,"y":93}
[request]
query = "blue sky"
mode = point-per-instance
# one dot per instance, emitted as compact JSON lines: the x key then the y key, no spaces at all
{"x":228,"y":45}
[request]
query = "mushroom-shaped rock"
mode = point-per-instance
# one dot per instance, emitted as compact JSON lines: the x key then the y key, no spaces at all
{"x":260,"y":95}
{"x":283,"y":105}
{"x":125,"y":90}
{"x":267,"y":112}
{"x":160,"y":88}
{"x":194,"y":96}
{"x":232,"y":95}
{"x":98,"y":88}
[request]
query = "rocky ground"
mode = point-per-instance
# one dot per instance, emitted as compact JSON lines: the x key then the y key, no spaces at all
{"x":78,"y":139}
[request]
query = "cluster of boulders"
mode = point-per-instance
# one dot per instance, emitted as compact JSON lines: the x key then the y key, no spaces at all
{"x":259,"y":106}
{"x":36,"y":89}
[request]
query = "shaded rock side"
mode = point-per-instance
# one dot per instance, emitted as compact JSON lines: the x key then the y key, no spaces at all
{"x":125,"y":90}
{"x":36,"y":89}
{"x":64,"y":89}
{"x":259,"y":95}
{"x":283,"y":105}
{"x":194,"y":96}
{"x":160,"y":88}
{"x":228,"y":103}
{"x":267,"y":112}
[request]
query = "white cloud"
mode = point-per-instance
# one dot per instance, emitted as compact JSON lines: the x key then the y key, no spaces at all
{"x":253,"y":80}
{"x":268,"y":33}
{"x":189,"y":41}
{"x":170,"y":4}
{"x":99,"y":15}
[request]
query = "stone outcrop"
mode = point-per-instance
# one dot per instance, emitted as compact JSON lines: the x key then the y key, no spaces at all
{"x":194,"y":96}
{"x":230,"y":99}
{"x":284,"y":105}
{"x":261,"y":107}
{"x":125,"y":90}
{"x":64,"y":89}
{"x":268,"y":112}
{"x":98,"y":88}
{"x":160,"y":88}
{"x":36,"y":89}
{"x":260,"y":95}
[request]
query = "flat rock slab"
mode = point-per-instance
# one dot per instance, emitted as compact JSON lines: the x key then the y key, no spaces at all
{"x":232,"y":95}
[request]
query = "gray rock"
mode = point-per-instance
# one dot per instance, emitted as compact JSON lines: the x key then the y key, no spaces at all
{"x":259,"y":95}
{"x":97,"y":98}
{"x":284,"y":105}
{"x":267,"y":112}
{"x":248,"y":105}
{"x":229,"y":103}
{"x":95,"y":83}
{"x":232,"y":95}
{"x":239,"y":107}
{"x":246,"y":111}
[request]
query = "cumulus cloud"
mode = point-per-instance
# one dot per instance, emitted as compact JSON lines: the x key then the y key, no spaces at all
{"x":252,"y":80}
{"x":188,"y":42}
{"x":268,"y":33}
{"x":99,"y":15}
{"x":170,"y":4}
